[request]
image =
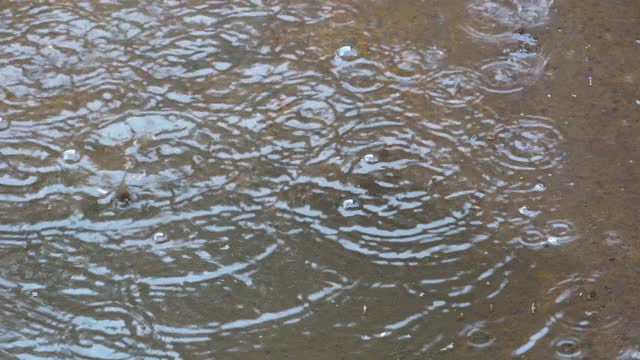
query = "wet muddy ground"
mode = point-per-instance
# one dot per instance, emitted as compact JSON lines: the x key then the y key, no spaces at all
{"x":434,"y":179}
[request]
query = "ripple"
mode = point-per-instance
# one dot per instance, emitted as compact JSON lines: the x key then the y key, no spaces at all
{"x":560,"y":232}
{"x":360,"y":76}
{"x":569,"y":347}
{"x":497,"y":20}
{"x":203,"y":179}
{"x":454,"y":87}
{"x":413,"y":63}
{"x":152,"y":125}
{"x":477,"y":337}
{"x":583,"y":302}
{"x":555,"y":233}
{"x":529,"y":143}
{"x":532,"y":237}
{"x":511,"y":74}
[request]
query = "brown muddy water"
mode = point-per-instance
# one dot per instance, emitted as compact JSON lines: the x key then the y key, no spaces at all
{"x":434,"y":179}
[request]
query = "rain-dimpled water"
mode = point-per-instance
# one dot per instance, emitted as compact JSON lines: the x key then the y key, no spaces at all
{"x":319,"y":179}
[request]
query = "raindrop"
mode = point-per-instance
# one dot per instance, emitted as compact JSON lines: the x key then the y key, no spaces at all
{"x":350,"y":205}
{"x":524,"y":210}
{"x":531,"y":143}
{"x":454,"y":87}
{"x":347,"y":52}
{"x":71,"y":156}
{"x":160,"y":237}
{"x":370,"y":158}
{"x":539,"y":187}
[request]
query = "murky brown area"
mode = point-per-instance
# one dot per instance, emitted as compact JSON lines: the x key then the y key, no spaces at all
{"x":433,"y":179}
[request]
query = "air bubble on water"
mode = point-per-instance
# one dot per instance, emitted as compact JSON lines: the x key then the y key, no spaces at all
{"x":370,"y":158}
{"x":160,"y":237}
{"x":552,"y":240}
{"x":539,"y":187}
{"x":347,"y":52}
{"x":71,"y":156}
{"x":637,"y":101}
{"x":524,"y":210}
{"x":350,"y":205}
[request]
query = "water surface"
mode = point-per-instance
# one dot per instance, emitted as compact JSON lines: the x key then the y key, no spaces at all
{"x":319,"y":179}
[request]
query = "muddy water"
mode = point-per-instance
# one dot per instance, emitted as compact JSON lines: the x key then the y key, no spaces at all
{"x":319,"y":179}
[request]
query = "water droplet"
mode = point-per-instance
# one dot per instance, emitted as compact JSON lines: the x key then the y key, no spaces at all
{"x":160,"y":237}
{"x":638,"y":102}
{"x":71,"y":156}
{"x":539,"y":187}
{"x":347,"y":52}
{"x":4,"y":123}
{"x":370,"y":158}
{"x":350,"y":205}
{"x":524,"y":210}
